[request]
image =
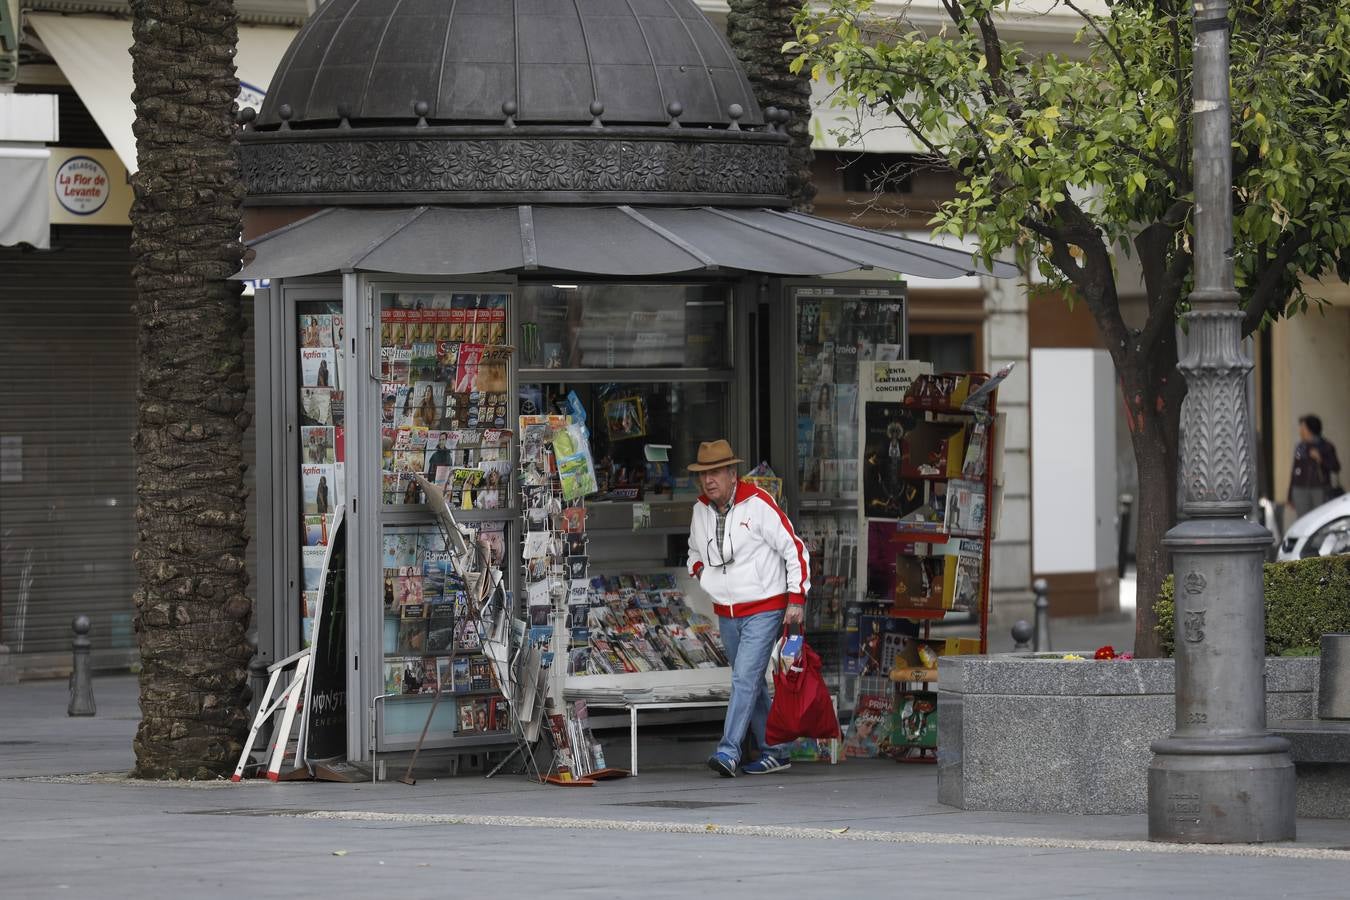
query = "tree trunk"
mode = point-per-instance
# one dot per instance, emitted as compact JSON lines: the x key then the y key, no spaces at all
{"x":192,"y":606}
{"x":757,"y":30}
{"x":1153,"y":393}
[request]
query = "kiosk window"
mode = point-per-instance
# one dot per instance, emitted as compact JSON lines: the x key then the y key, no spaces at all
{"x":642,"y":434}
{"x":624,"y":326}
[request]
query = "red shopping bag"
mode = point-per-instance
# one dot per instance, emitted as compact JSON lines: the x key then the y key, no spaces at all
{"x":801,"y":702}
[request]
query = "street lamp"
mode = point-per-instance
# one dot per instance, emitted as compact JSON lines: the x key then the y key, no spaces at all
{"x":1220,"y":777}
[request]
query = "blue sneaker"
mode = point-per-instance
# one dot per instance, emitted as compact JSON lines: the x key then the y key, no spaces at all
{"x":723,"y":765}
{"x":765,"y":765}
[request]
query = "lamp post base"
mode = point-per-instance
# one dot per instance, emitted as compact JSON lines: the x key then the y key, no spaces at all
{"x":1221,"y":790}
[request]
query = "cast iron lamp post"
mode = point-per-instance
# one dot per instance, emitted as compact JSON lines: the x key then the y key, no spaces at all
{"x":1220,"y":777}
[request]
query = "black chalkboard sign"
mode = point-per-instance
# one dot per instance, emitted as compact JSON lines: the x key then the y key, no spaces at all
{"x":326,"y":705}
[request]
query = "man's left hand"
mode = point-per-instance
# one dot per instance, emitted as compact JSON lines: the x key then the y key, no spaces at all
{"x":794,"y":614}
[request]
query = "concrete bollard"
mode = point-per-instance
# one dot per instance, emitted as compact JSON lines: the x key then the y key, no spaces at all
{"x":1333,"y":691}
{"x":1041,"y":644}
{"x":1021,"y":635}
{"x":81,"y":679}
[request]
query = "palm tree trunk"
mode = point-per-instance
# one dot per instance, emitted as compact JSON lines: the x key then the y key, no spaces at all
{"x":757,"y":30}
{"x":192,"y":606}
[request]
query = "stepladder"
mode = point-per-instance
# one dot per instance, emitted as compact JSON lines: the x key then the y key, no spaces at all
{"x":283,"y":703}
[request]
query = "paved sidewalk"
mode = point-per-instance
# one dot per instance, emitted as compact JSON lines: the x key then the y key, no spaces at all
{"x":818,"y":830}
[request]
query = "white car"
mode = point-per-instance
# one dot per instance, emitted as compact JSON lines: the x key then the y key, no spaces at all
{"x":1323,"y":532}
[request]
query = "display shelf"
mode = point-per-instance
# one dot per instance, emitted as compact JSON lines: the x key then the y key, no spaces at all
{"x":917,"y":573}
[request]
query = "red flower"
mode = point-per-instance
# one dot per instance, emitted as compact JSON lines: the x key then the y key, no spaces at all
{"x":1107,"y":652}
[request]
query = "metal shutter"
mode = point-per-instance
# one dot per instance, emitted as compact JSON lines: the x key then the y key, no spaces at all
{"x":68,"y":398}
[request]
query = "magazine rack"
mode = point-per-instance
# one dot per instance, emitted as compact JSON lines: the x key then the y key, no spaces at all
{"x":930,"y":497}
{"x":490,"y":617}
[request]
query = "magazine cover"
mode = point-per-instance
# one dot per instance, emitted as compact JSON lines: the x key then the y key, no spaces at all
{"x":395,"y":365}
{"x":466,"y":375}
{"x":316,"y":406}
{"x":440,"y":628}
{"x":318,"y":487}
{"x":445,"y":678}
{"x":316,"y":331}
{"x":414,"y":673}
{"x":466,"y":720}
{"x":965,"y":506}
{"x":316,"y":531}
{"x":412,"y":630}
{"x":969,"y":571}
{"x":459,"y":678}
{"x":393,"y":676}
{"x":311,"y":562}
{"x":318,"y":368}
{"x":318,"y":444}
{"x":430,"y":681}
{"x":914,"y":723}
{"x":867,"y":734}
{"x":425,"y":400}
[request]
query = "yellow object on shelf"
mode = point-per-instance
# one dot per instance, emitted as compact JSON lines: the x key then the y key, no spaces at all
{"x":908,"y":673}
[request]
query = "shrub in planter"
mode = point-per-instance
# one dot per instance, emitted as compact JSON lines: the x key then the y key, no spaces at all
{"x":1305,"y":599}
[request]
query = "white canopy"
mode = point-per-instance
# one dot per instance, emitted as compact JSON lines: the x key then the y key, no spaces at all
{"x":95,"y":56}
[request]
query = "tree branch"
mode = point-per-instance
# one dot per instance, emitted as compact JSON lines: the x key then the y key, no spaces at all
{"x":1162,"y":282}
{"x":1271,"y":288}
{"x":1094,"y":278}
{"x":1101,"y":36}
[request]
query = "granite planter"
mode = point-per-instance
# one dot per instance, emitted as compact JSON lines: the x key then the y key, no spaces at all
{"x":1027,"y":733}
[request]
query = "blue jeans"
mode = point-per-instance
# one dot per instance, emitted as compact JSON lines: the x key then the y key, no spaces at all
{"x":749,"y":644}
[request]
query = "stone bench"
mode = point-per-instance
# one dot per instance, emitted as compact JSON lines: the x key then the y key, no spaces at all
{"x":1321,"y":746}
{"x":1022,"y":733}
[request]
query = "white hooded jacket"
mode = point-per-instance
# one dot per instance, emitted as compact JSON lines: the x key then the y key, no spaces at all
{"x":762,"y":565}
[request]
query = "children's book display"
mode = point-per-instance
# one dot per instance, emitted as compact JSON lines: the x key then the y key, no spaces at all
{"x":929,"y":482}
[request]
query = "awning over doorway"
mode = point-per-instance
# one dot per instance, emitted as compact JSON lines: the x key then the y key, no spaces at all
{"x":95,"y":56}
{"x":25,"y":199}
{"x":606,"y":240}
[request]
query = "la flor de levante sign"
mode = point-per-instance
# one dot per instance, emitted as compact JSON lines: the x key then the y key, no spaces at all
{"x":82,"y":185}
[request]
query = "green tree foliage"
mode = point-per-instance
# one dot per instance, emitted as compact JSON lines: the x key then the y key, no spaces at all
{"x":1069,"y":157}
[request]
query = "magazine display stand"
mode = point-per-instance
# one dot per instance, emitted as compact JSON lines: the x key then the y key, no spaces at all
{"x":930,"y":481}
{"x":556,"y":473}
{"x":443,"y":368}
{"x":486,"y":615}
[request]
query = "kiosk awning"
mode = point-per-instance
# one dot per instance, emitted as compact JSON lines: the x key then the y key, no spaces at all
{"x":608,"y":240}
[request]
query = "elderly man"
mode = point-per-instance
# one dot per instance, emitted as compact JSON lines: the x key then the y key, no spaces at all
{"x":744,"y":553}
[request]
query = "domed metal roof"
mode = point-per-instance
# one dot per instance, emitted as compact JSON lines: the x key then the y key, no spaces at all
{"x":626,"y":62}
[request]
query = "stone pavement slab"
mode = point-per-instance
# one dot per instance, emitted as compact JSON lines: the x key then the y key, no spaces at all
{"x":860,"y":827}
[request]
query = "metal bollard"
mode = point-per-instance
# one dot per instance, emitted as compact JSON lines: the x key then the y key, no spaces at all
{"x":1041,"y":643}
{"x":1021,"y":634}
{"x":81,"y":679}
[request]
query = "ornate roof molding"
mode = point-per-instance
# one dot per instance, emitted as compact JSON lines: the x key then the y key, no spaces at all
{"x":509,"y":165}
